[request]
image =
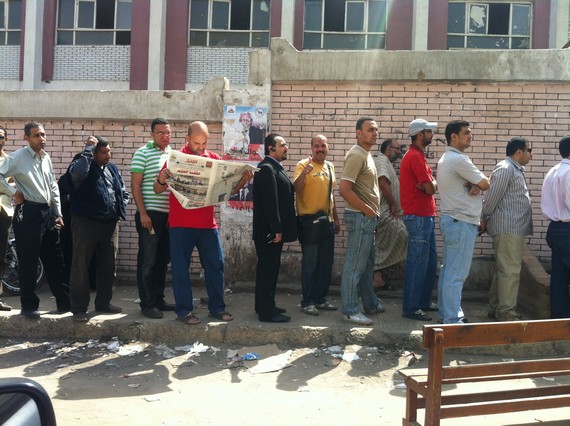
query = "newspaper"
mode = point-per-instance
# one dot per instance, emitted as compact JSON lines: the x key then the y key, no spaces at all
{"x":199,"y":181}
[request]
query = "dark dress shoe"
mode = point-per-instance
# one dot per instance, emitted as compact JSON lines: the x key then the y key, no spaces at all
{"x":109,"y":309}
{"x":276,"y":318}
{"x":151,"y":312}
{"x":4,"y":306}
{"x":80,"y":317}
{"x":30,"y":314}
{"x":165,"y":306}
{"x":280,"y":310}
{"x":63,"y":309}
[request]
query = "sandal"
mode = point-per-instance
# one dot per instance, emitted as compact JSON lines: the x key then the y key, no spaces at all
{"x":189,"y":319}
{"x":222,"y":316}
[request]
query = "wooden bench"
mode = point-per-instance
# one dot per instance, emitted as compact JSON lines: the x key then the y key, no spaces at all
{"x":424,"y":386}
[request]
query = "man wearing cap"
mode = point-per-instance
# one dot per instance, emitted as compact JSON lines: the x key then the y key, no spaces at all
{"x":417,"y":186}
{"x":460,"y":185}
{"x":507,"y":217}
{"x":555,"y":205}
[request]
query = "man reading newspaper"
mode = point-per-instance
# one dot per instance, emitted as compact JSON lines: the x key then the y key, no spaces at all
{"x":196,"y":227}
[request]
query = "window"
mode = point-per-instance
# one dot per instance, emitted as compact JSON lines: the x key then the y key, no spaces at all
{"x":345,"y":24}
{"x":94,"y":22}
{"x":496,"y":25}
{"x":10,"y":22}
{"x":223,"y":23}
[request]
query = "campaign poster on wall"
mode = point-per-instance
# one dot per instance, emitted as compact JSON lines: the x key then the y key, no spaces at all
{"x":244,"y":129}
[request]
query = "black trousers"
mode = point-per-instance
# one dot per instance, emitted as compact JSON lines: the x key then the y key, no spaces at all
{"x":92,"y":238}
{"x":267,"y":272}
{"x":30,"y":230}
{"x":5,"y":222}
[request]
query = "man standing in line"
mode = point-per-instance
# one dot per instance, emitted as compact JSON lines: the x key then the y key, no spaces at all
{"x":391,"y":234}
{"x":274,"y":223}
{"x":507,"y":217}
{"x":460,"y":184}
{"x":98,"y":202}
{"x":417,"y":186}
{"x":555,"y":206}
{"x":359,"y":188}
{"x":151,"y":220}
{"x":314,"y":183}
{"x":37,"y":201}
{"x":6,"y":213}
{"x":191,"y":228}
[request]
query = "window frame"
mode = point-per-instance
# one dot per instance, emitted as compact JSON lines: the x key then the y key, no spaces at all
{"x":256,"y":38}
{"x":365,"y":35}
{"x":510,"y":36}
{"x":76,"y":29}
{"x":7,"y":34}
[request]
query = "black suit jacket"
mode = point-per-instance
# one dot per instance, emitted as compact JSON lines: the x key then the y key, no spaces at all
{"x":273,"y":203}
{"x":255,"y":136}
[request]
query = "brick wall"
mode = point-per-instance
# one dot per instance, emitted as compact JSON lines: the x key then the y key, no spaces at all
{"x":9,"y":62}
{"x":496,"y":112}
{"x":207,"y":62}
{"x":64,"y":140}
{"x":92,"y":63}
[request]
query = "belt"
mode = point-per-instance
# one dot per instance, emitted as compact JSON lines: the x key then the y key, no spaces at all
{"x":33,"y":203}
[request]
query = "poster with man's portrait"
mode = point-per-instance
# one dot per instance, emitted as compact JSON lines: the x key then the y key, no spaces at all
{"x":244,"y":129}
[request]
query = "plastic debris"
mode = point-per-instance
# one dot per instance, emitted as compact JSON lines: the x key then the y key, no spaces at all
{"x":350,"y":357}
{"x":250,"y":356}
{"x":151,"y":398}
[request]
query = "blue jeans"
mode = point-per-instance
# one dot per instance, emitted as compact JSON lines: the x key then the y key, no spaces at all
{"x":207,"y":241}
{"x":458,"y":243}
{"x":421,"y":263}
{"x":316,"y":270}
{"x":358,"y":264}
{"x":152,"y":259}
{"x":558,"y":239}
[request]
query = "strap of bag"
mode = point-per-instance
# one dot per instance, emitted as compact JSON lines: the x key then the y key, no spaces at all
{"x":330,"y":188}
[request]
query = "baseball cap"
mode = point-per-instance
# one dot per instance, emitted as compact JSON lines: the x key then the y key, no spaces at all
{"x":420,"y":124}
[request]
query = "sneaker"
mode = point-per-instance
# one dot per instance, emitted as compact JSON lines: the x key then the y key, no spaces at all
{"x":432,"y":307}
{"x":358,"y":318}
{"x":310,"y":310}
{"x":377,"y":310}
{"x":418,"y":315}
{"x":326,"y":306}
{"x":80,"y":317}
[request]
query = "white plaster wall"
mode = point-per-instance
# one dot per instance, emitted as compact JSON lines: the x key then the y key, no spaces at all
{"x":9,"y":62}
{"x":207,"y":62}
{"x":92,"y":63}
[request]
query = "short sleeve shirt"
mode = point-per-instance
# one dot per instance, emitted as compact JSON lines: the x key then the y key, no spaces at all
{"x":359,"y":169}
{"x":454,"y":170}
{"x":316,"y":196}
{"x":414,"y":170}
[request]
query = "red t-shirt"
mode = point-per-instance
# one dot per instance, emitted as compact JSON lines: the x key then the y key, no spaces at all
{"x":203,"y":218}
{"x":413,"y":170}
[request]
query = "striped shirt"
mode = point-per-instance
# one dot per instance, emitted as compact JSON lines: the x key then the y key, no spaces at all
{"x":506,"y":204}
{"x":149,"y":160}
{"x":555,"y":203}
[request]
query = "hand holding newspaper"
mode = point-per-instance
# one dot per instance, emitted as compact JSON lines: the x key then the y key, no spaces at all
{"x":199,"y":181}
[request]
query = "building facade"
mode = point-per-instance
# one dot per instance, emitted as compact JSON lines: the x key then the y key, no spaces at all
{"x":109,"y":66}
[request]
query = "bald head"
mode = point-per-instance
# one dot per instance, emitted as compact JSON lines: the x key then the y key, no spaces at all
{"x":197,"y":138}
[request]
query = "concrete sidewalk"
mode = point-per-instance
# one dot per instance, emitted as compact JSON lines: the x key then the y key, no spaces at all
{"x":390,"y":329}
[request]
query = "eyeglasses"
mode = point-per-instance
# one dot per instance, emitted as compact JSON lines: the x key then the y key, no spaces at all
{"x":2,"y":138}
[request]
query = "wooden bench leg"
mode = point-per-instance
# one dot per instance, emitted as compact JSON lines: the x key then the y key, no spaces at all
{"x":411,"y":407}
